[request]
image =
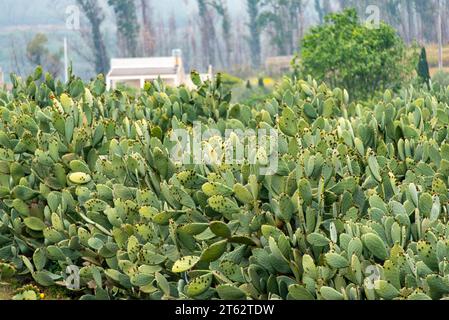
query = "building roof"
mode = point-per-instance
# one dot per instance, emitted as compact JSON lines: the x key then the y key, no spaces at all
{"x":144,"y":67}
{"x":140,"y":72}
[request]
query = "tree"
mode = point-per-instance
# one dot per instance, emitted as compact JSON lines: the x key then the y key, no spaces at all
{"x":172,"y":32}
{"x":39,"y":55}
{"x":423,"y":67}
{"x":147,"y":28}
{"x":345,"y":53}
{"x":162,"y":47}
{"x":223,"y":11}
{"x":252,"y":7}
{"x":127,"y":26}
{"x":95,"y":40}
{"x":284,"y":22}
{"x":17,"y":55}
{"x":323,"y":8}
{"x":427,"y":14}
{"x":207,"y":32}
{"x":36,"y":49}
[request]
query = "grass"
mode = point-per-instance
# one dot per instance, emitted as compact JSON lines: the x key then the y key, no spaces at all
{"x":432,"y":58}
{"x":8,"y":290}
{"x":436,"y":69}
{"x":432,"y":55}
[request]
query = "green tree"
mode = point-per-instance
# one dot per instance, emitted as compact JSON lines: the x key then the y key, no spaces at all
{"x":127,"y":25}
{"x":427,"y":13}
{"x":222,"y":10}
{"x":39,"y":55}
{"x":36,"y":49}
{"x":148,"y":45}
{"x":322,"y":8}
{"x":345,"y":53}
{"x":208,"y":33}
{"x":284,"y":22}
{"x":252,"y":7}
{"x":96,"y":42}
{"x":423,"y":67}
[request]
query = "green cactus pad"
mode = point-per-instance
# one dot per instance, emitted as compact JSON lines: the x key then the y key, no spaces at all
{"x":375,"y":245}
{"x":336,"y":260}
{"x":185,"y":264}
{"x":305,"y":191}
{"x":329,"y":293}
{"x":194,"y":228}
{"x":220,"y":229}
{"x":230,"y":292}
{"x":298,"y":292}
{"x":318,"y":240}
{"x":7,"y":270}
{"x":385,"y":290}
{"x":199,"y":285}
{"x":24,"y":193}
{"x":243,"y":194}
{"x":355,"y":246}
{"x":214,"y":252}
{"x":216,"y":188}
{"x":223,"y":205}
{"x":287,"y":122}
{"x":34,"y":224}
{"x":374,"y":168}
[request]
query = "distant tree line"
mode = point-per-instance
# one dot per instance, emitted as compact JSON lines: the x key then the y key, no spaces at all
{"x":213,"y":36}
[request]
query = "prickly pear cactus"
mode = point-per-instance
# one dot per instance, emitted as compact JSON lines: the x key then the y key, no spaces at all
{"x":356,"y":208}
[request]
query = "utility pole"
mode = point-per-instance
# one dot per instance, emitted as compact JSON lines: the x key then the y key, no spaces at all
{"x":66,"y":61}
{"x":440,"y":37}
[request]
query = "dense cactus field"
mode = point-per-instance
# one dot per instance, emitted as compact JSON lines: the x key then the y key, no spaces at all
{"x":357,"y":208}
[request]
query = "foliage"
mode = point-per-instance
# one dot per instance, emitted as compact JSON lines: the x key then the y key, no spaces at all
{"x":86,"y":179}
{"x":440,"y":80}
{"x":344,"y":53}
{"x":208,"y":33}
{"x":423,"y":67}
{"x":282,"y":20}
{"x":255,"y":92}
{"x":95,"y":15}
{"x":230,"y":81}
{"x":254,"y":40}
{"x":128,"y":29}
{"x":38,"y":54}
{"x":222,"y":10}
{"x":250,"y":96}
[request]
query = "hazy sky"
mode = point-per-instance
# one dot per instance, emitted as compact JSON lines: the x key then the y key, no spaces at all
{"x":26,"y":12}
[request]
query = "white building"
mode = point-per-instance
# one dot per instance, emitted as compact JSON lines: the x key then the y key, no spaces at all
{"x":134,"y":72}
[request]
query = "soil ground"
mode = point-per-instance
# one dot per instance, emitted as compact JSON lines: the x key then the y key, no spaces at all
{"x":8,"y":290}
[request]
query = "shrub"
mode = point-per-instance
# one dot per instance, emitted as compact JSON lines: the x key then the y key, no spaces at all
{"x":230,"y":81}
{"x":423,"y":68}
{"x":440,"y":80}
{"x":345,"y":53}
{"x":87,"y":179}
